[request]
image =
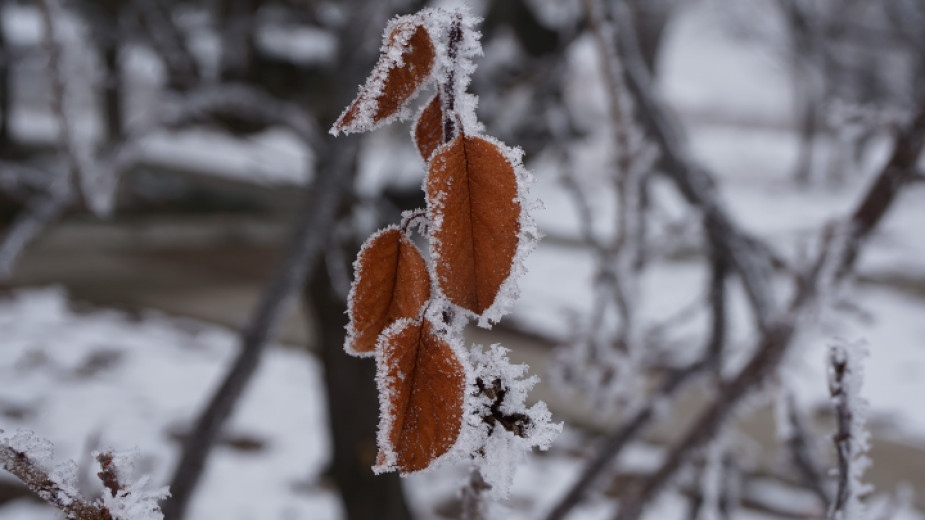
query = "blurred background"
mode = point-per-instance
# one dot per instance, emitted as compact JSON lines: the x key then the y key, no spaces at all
{"x":170,"y":202}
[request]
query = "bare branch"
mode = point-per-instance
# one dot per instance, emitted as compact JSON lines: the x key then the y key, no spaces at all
{"x":694,"y":182}
{"x":833,"y":263}
{"x":40,"y":482}
{"x":30,"y":223}
{"x":312,"y":231}
{"x":851,"y":438}
{"x":60,"y":104}
{"x":633,"y":158}
{"x":168,"y":42}
{"x":799,"y":447}
{"x":613,"y":445}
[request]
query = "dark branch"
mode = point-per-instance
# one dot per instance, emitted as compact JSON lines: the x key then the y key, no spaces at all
{"x":613,"y":445}
{"x":313,"y":228}
{"x":848,"y":445}
{"x":741,"y":250}
{"x":38,"y":480}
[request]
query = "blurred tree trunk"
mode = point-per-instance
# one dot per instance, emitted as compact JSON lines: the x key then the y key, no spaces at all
{"x":353,"y":410}
{"x":239,"y":47}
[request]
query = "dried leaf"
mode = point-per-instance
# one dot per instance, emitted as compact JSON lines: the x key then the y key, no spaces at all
{"x":422,"y":382}
{"x":428,"y":130}
{"x":391,"y":282}
{"x":472,"y":202}
{"x":404,"y":66}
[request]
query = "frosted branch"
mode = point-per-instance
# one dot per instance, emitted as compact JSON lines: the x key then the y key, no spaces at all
{"x":312,"y":230}
{"x":851,"y":438}
{"x":798,"y":442}
{"x":27,"y":458}
{"x":744,"y":253}
{"x":77,"y":171}
{"x":835,"y":261}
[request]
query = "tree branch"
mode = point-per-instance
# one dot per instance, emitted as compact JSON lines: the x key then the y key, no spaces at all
{"x":74,"y":171}
{"x":798,"y":444}
{"x":40,"y":482}
{"x":168,"y":42}
{"x":613,"y":445}
{"x":741,"y":250}
{"x":832,"y":265}
{"x":851,"y":438}
{"x":313,"y":227}
{"x":29,"y":224}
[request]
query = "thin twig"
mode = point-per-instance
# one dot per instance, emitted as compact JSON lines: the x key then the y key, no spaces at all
{"x":40,"y":482}
{"x":613,"y":445}
{"x":716,"y":344}
{"x":74,"y":172}
{"x":694,"y":182}
{"x":30,"y":222}
{"x":798,"y":444}
{"x":630,"y":158}
{"x":850,"y":437}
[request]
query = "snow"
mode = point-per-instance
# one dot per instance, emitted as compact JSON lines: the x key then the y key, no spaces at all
{"x":136,"y":382}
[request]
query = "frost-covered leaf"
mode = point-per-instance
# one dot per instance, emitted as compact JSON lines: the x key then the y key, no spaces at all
{"x":405,"y":64}
{"x":473,"y":204}
{"x":428,"y":129}
{"x":422,"y":384}
{"x":391,"y":282}
{"x":128,"y":497}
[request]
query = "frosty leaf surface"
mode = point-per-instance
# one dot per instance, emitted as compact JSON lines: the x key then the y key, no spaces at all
{"x":472,"y":200}
{"x":391,"y":282}
{"x":404,"y":66}
{"x":422,"y":383}
{"x":428,"y":129}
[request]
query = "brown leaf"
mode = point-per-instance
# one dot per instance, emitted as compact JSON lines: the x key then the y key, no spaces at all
{"x":391,"y":282}
{"x":422,"y":384}
{"x":472,"y":200}
{"x":390,"y":86}
{"x":428,"y":130}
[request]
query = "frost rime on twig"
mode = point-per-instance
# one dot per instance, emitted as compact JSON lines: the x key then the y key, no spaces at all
{"x":851,"y":438}
{"x":28,"y":457}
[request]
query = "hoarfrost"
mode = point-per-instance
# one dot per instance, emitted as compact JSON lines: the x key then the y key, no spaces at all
{"x":502,"y":429}
{"x":845,"y":374}
{"x":39,"y":450}
{"x":134,"y":501}
{"x":395,"y":40}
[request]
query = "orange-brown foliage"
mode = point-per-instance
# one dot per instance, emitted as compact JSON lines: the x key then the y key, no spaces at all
{"x":425,"y":386}
{"x":391,"y":282}
{"x":472,"y":191}
{"x":400,"y":82}
{"x":428,"y":130}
